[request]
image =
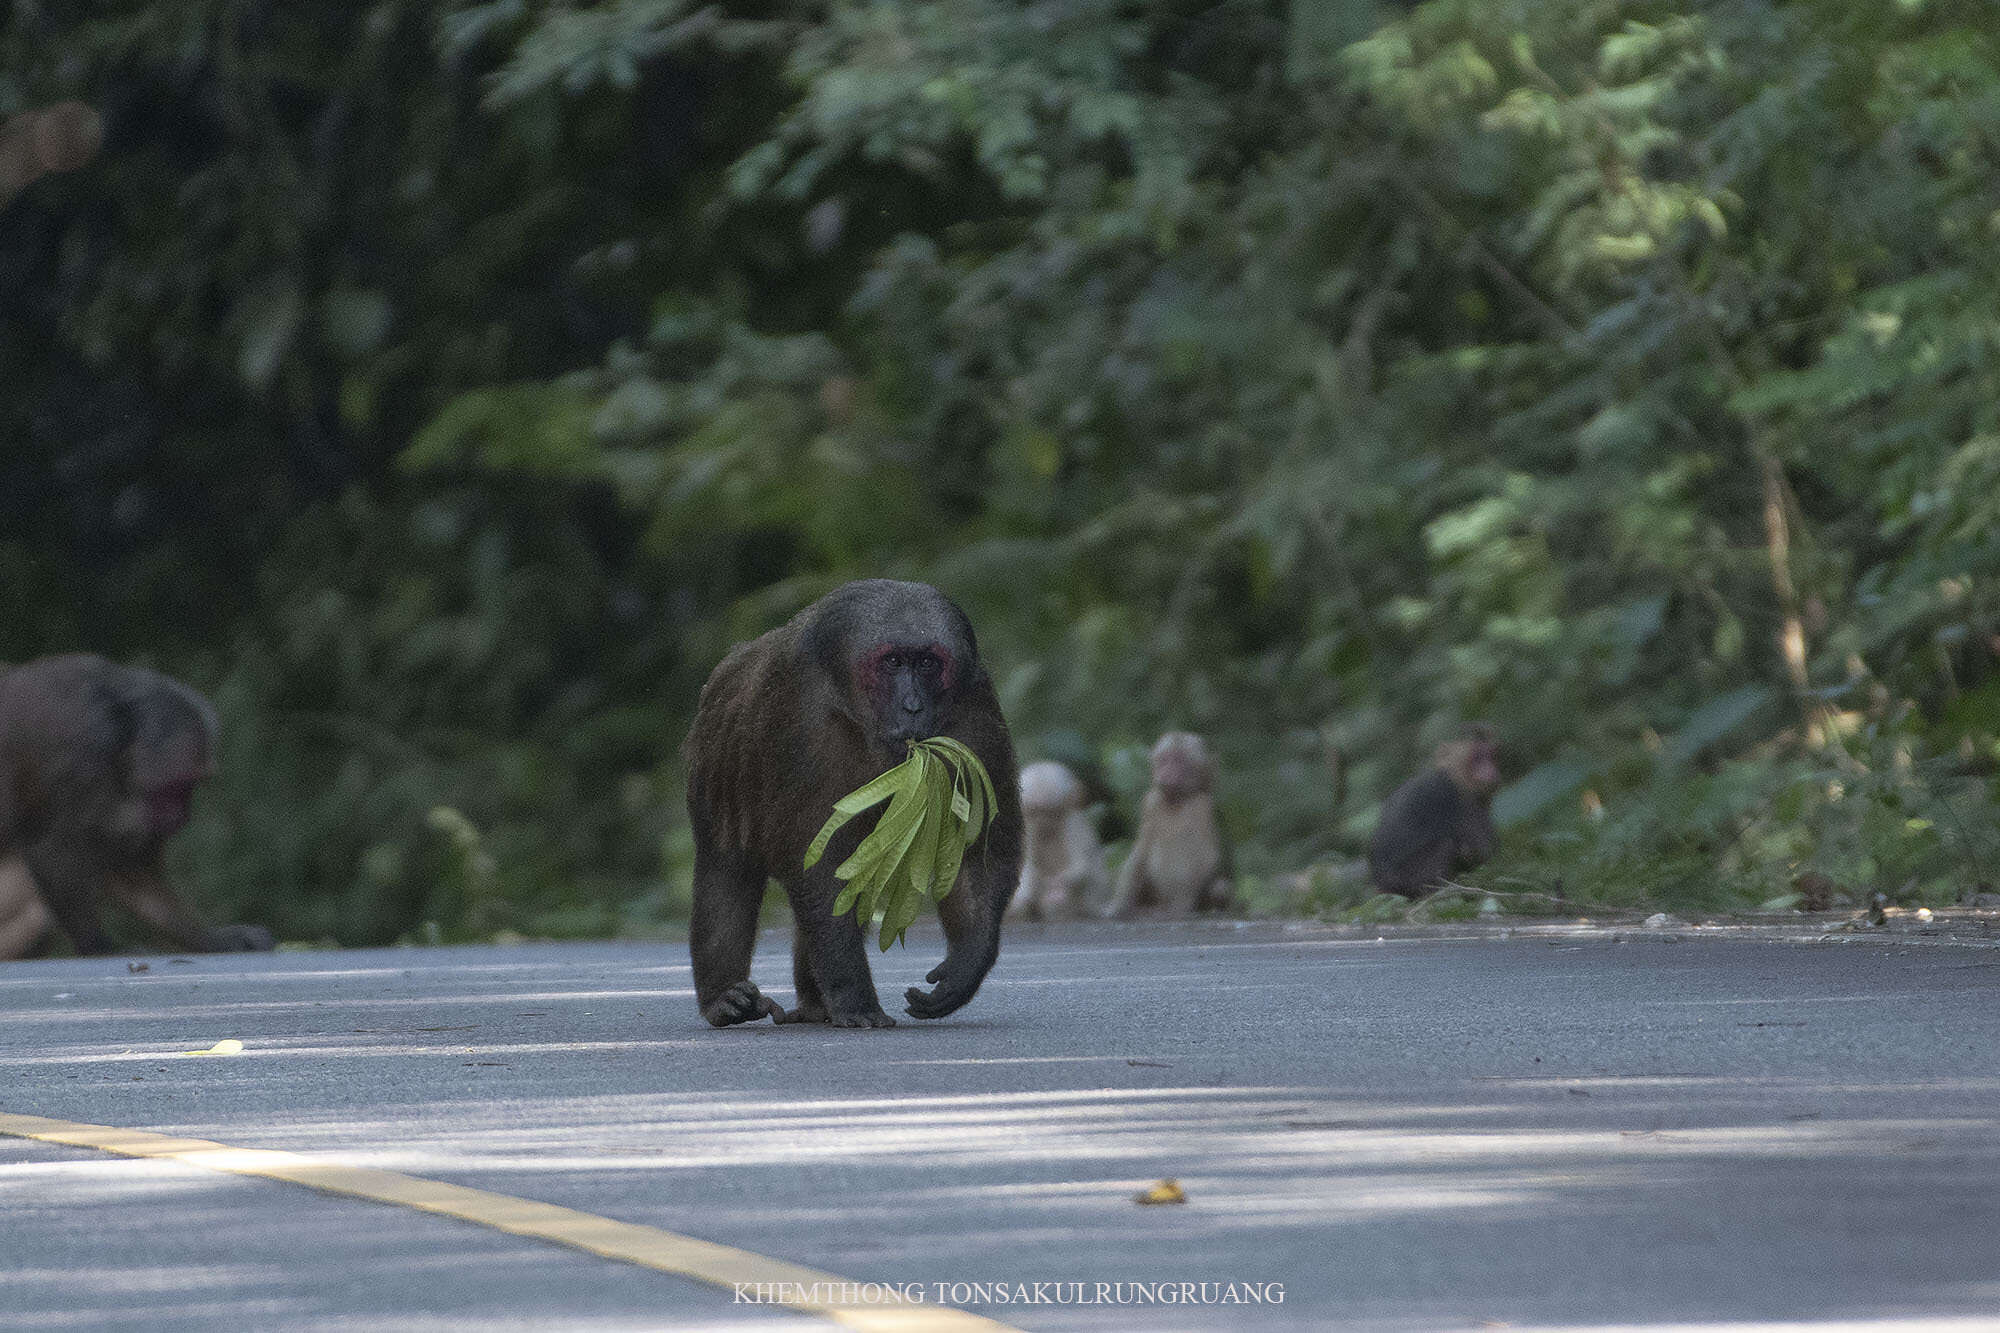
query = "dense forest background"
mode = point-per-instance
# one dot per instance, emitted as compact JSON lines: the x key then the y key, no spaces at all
{"x":442,"y":387}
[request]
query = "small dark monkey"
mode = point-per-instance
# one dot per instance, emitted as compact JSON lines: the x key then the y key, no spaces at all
{"x":790,"y":723}
{"x":98,"y":766}
{"x":1179,"y":863}
{"x":1439,"y":822}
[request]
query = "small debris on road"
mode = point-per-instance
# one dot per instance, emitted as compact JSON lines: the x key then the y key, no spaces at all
{"x":227,"y":1046}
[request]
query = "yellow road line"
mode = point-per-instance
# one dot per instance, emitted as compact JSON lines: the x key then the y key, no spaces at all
{"x":774,"y":1281}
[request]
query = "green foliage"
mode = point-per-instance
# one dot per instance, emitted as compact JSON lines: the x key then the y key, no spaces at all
{"x":940,"y":802}
{"x":446,"y":386}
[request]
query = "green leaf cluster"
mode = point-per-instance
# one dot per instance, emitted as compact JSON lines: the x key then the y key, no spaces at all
{"x":940,"y":802}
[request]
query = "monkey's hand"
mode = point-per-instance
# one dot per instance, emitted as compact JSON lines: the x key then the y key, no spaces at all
{"x":742,"y":1003}
{"x":238,"y":939}
{"x":954,"y":986}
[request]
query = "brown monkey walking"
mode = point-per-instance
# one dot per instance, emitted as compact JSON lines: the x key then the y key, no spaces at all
{"x":98,"y":766}
{"x":790,"y":723}
{"x":1439,"y":822}
{"x":1179,"y":863}
{"x":1063,"y":867}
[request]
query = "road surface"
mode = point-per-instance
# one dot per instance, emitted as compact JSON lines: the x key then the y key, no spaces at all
{"x":1539,"y":1131}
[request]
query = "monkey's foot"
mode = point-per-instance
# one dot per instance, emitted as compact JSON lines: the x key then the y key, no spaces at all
{"x":868,"y":1018}
{"x":805,"y":1013}
{"x":741,"y":1003}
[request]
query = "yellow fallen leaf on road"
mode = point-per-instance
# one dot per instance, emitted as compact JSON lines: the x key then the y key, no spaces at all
{"x":1166,"y":1191}
{"x":227,"y":1046}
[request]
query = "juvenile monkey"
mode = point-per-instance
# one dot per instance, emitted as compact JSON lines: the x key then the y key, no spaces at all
{"x":1439,"y":823}
{"x":1179,"y":863}
{"x":1064,"y":865}
{"x":98,"y":766}
{"x":788,"y":724}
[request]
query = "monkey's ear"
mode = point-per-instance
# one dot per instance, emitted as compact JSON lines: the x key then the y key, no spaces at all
{"x":963,"y":623}
{"x":825,"y":646}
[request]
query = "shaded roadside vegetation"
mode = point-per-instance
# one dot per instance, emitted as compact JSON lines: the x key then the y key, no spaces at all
{"x":443,"y":387}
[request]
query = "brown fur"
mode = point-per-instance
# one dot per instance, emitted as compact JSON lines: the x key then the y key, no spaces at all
{"x":1179,"y":864}
{"x":787,"y":726}
{"x":98,"y":763}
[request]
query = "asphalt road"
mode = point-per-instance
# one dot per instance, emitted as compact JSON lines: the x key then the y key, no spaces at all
{"x":1536,"y":1131}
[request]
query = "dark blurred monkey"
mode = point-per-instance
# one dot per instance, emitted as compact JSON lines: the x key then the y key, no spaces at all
{"x":1439,"y":822}
{"x":1064,"y":866}
{"x":98,"y":766}
{"x":1178,"y":862}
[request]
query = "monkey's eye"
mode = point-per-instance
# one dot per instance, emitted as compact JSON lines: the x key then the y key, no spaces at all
{"x":893,"y":662}
{"x":928,"y":664}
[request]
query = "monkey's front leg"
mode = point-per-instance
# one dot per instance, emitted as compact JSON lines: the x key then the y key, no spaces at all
{"x":68,"y":874}
{"x":1131,"y":885}
{"x":970,"y":914}
{"x":153,"y":900}
{"x":837,"y":957}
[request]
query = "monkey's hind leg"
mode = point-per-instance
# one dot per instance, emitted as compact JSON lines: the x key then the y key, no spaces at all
{"x":812,"y":1005}
{"x":722,"y":934}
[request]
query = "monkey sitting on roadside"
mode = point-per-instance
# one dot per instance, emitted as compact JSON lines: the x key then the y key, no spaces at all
{"x":1064,"y":864}
{"x":790,"y":723}
{"x":1439,"y":822}
{"x":1179,"y":862}
{"x":98,"y":766}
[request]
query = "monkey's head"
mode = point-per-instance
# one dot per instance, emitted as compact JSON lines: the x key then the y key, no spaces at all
{"x":1048,"y":786}
{"x":1472,"y":759}
{"x":902,"y":653}
{"x":1181,"y":766}
{"x":170,"y":751}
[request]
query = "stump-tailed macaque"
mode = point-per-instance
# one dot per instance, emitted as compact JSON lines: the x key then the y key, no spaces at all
{"x":1179,"y":862}
{"x":1063,"y":871}
{"x":1439,"y":822}
{"x":98,"y":766}
{"x":790,"y":723}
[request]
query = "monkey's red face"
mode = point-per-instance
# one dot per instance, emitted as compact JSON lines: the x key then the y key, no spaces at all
{"x":907,"y":686}
{"x":164,"y":773}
